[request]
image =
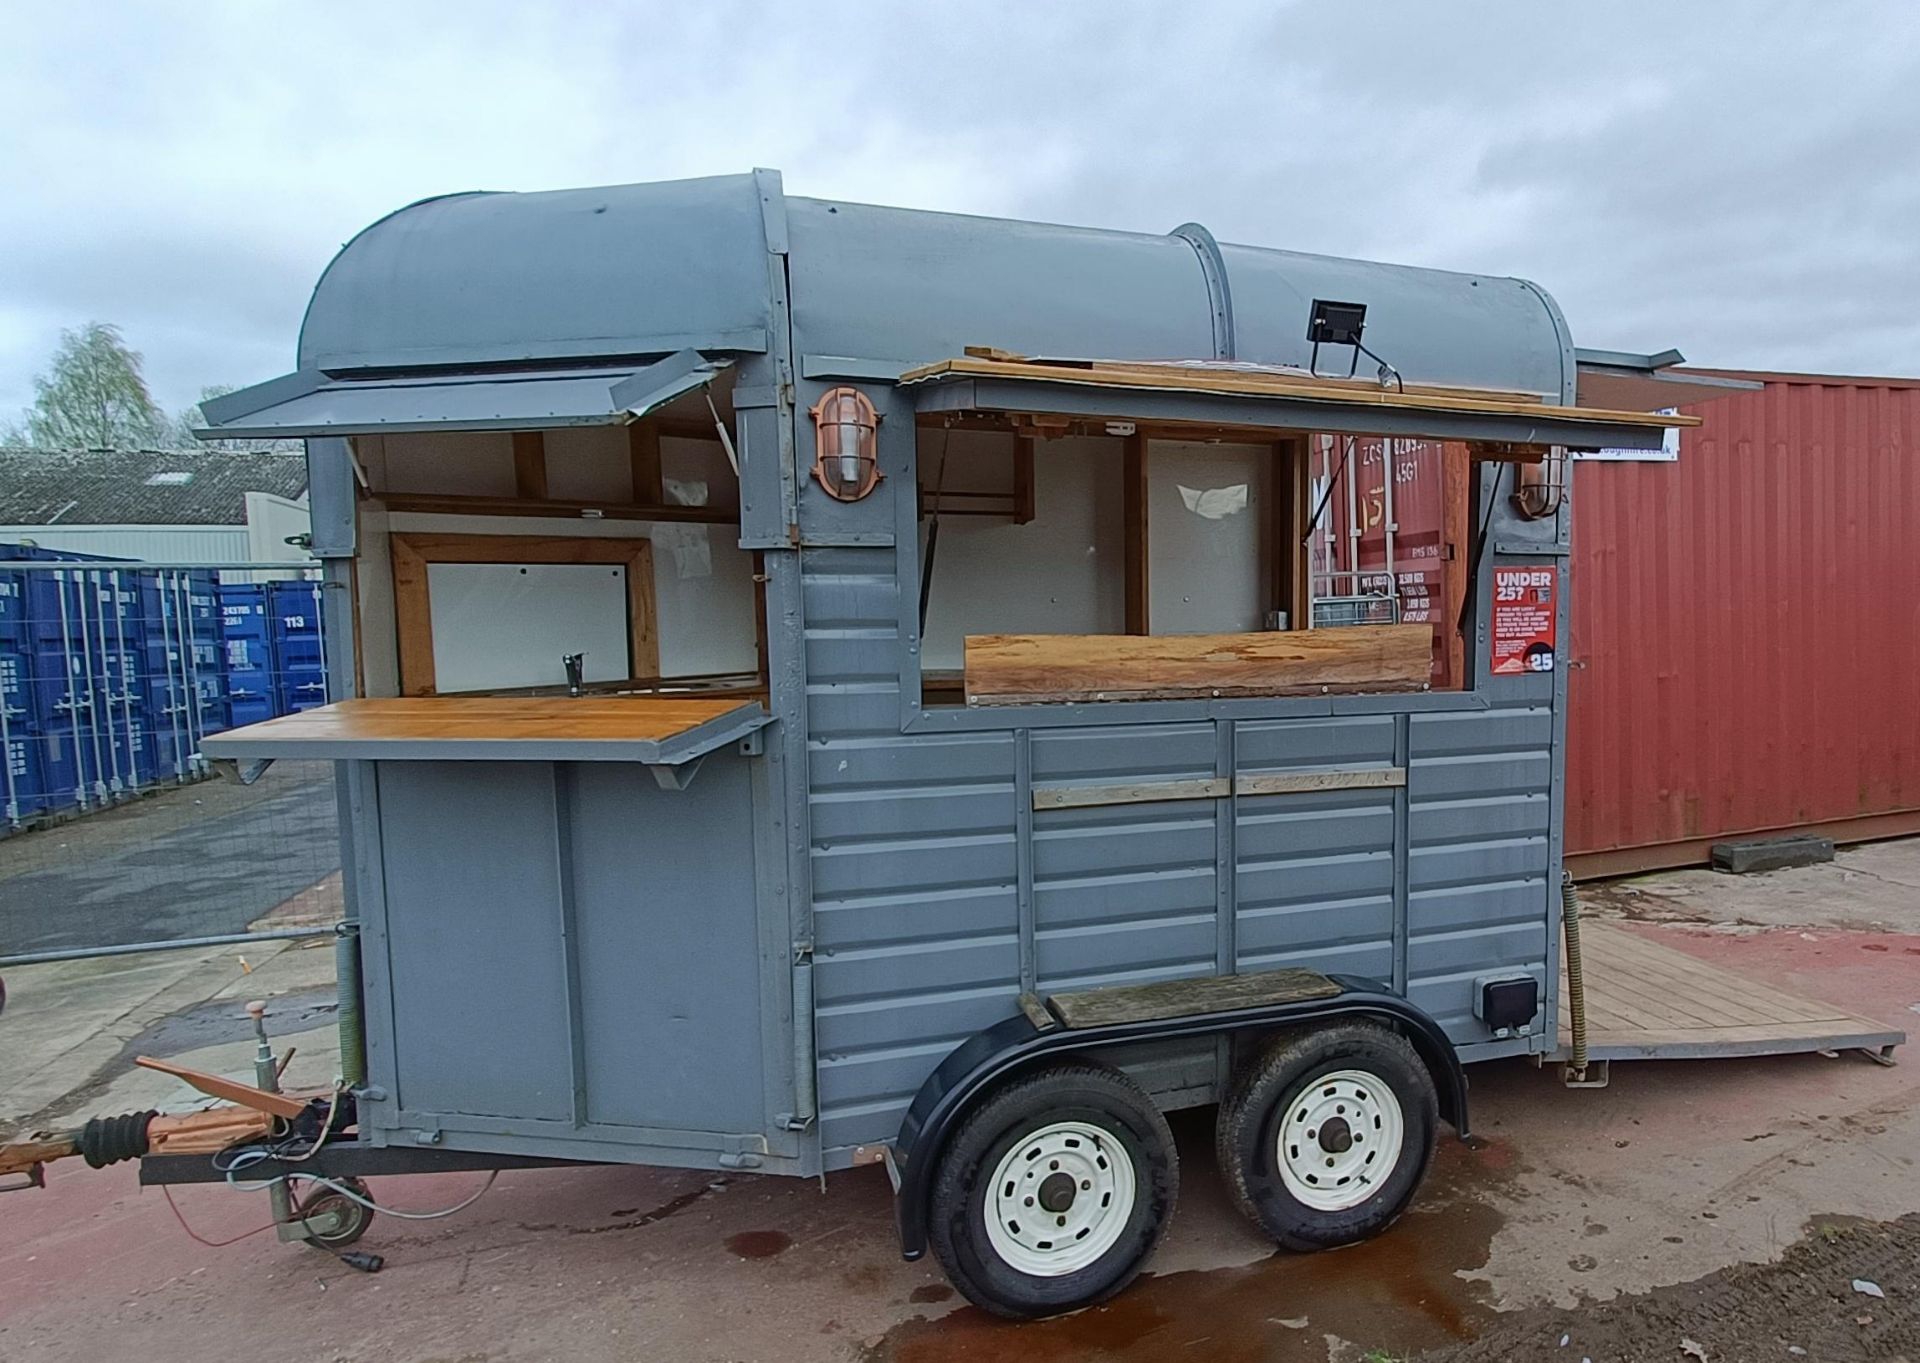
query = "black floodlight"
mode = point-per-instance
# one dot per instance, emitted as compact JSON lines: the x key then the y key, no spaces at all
{"x":1336,"y":323}
{"x":1332,"y":323}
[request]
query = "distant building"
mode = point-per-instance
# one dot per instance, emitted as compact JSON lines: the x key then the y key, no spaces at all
{"x":177,"y":506}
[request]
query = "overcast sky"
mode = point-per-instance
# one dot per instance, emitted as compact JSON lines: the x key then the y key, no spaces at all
{"x":1740,"y":181}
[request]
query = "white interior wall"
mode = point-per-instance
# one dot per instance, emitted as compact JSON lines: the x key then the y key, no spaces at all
{"x":1206,"y":504}
{"x":703,"y":581}
{"x":1063,"y":573}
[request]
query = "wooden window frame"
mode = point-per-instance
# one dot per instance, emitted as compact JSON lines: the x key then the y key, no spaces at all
{"x":413,"y":551}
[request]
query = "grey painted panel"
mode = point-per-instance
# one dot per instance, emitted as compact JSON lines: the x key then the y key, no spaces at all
{"x":848,"y":1031}
{"x":840,"y":817}
{"x":1274,"y":827}
{"x":1517,"y":773}
{"x":885,"y":865}
{"x":903,"y":763}
{"x":1304,"y":925}
{"x":1143,"y":837}
{"x":842,"y":974}
{"x":1303,"y":879}
{"x":1489,"y":904}
{"x":669,"y":960}
{"x":854,"y":653}
{"x":945,"y":912}
{"x":1482,"y":949}
{"x":1123,"y":753}
{"x":1164,"y":943}
{"x":1496,"y":816}
{"x":1124,"y":897}
{"x":473,"y":880}
{"x":1282,"y":745}
{"x":1470,"y":863}
{"x":1507,"y":729}
{"x":843,"y":710}
{"x":1374,"y":960}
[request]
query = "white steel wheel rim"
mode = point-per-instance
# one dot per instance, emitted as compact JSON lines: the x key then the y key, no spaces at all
{"x":1040,"y":1225}
{"x":1339,"y":1139}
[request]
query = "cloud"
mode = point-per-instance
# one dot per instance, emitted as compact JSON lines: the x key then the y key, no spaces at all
{"x":1736,"y":180}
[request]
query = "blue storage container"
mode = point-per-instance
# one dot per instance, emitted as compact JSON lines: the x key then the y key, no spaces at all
{"x":249,"y":708}
{"x":66,"y":759}
{"x":16,"y":684}
{"x":299,"y":667}
{"x":301,"y":688}
{"x":13,"y":607}
{"x":20,"y":792}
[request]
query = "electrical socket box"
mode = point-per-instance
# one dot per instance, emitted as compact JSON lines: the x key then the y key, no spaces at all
{"x":1506,"y":1003}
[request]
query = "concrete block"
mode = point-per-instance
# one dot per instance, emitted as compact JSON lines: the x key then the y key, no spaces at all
{"x":1770,"y":854}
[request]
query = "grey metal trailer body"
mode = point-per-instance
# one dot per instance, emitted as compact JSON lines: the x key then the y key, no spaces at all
{"x":749,"y":945}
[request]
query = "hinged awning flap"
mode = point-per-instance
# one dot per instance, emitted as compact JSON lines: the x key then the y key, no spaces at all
{"x":310,"y":403}
{"x":1212,"y":396}
{"x":653,"y":730}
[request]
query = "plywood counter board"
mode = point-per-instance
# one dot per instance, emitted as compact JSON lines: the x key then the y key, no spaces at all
{"x":1024,"y":669}
{"x":651,"y":729}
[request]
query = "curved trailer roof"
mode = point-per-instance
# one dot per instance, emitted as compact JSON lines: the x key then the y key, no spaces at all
{"x":639,"y":269}
{"x":504,"y":288}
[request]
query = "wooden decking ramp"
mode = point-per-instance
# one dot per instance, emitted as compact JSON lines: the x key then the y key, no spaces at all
{"x":1647,"y":1002}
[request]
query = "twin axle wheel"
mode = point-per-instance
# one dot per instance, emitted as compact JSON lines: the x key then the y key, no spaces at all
{"x":1058,"y":1187}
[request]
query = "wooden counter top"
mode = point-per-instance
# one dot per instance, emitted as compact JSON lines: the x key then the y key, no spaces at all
{"x":651,"y":729}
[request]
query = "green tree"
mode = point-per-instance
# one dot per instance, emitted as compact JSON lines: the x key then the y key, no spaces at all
{"x":93,"y":396}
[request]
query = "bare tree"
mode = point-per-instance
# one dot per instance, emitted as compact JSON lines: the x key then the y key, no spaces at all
{"x":94,"y":397}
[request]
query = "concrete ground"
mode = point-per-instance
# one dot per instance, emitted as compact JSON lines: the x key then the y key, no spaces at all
{"x":192,"y":861}
{"x":1677,"y":1170}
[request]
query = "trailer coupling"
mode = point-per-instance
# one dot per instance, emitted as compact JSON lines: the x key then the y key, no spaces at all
{"x":252,"y":1114}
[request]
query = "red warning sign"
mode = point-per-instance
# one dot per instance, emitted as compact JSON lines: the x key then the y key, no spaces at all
{"x":1522,"y":620}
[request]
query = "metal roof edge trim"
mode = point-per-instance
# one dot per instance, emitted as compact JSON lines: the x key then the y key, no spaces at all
{"x":747,"y":340}
{"x":244,"y":402}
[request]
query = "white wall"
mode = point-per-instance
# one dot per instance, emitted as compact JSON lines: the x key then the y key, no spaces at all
{"x":703,"y":581}
{"x":271,"y":521}
{"x":1063,"y":573}
{"x":153,"y":543}
{"x":1206,"y":504}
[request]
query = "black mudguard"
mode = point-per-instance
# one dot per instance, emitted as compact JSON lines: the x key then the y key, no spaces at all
{"x":1017,"y":1043}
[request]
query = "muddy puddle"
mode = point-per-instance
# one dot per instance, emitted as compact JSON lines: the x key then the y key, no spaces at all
{"x":1398,"y":1293}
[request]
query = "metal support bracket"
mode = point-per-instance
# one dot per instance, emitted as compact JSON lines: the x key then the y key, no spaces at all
{"x":677,"y":777}
{"x":1594,"y":1076}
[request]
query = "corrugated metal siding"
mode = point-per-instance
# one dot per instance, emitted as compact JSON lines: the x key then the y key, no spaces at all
{"x":1479,"y":821}
{"x":1746,"y":621}
{"x":916,"y":917}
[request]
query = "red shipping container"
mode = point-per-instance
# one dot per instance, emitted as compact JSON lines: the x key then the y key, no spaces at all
{"x":1746,"y":628}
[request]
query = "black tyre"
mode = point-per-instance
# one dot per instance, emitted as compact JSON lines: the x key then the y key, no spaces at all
{"x":1054,"y":1191}
{"x":335,"y":1221}
{"x":1326,"y":1134}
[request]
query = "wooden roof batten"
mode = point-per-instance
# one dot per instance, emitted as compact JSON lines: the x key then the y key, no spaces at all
{"x":1206,"y":379}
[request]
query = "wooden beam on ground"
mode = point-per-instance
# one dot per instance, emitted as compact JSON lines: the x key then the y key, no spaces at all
{"x":1133,"y":497}
{"x":530,"y":465}
{"x":1027,"y":669}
